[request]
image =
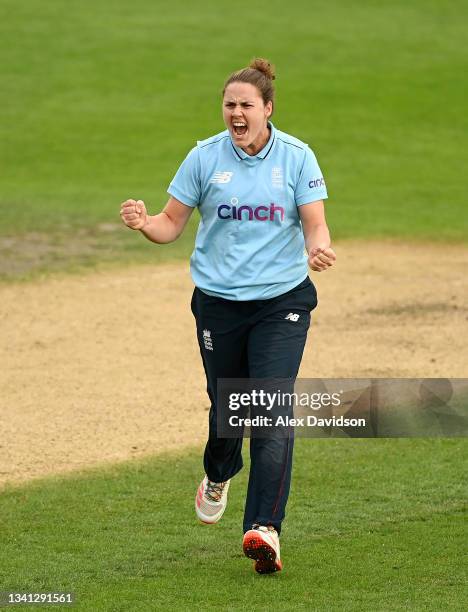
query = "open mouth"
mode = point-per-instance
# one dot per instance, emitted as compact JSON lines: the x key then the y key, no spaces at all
{"x":239,"y":127}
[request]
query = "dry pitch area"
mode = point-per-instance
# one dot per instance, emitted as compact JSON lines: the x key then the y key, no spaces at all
{"x":105,"y":367}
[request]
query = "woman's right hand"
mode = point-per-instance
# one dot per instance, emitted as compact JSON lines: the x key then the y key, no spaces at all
{"x":133,"y":213}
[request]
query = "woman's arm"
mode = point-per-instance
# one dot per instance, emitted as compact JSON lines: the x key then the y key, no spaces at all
{"x":316,"y":236}
{"x":162,"y":228}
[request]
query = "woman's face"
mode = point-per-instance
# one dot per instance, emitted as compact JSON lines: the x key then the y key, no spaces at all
{"x":246,"y":116}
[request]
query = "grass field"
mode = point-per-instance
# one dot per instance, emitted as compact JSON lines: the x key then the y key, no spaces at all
{"x":372,"y":525}
{"x":104,"y":102}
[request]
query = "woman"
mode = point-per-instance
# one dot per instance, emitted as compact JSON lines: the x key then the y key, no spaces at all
{"x":260,"y":195}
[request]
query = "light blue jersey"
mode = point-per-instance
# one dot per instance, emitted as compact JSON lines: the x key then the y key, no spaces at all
{"x":249,"y":244}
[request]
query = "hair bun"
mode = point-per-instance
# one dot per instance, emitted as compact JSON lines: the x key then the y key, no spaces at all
{"x":263,"y":65}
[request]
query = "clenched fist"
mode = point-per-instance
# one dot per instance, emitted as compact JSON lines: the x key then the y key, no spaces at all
{"x":133,"y":214}
{"x":321,"y":259}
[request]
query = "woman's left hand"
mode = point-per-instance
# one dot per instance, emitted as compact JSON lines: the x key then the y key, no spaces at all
{"x":321,"y":259}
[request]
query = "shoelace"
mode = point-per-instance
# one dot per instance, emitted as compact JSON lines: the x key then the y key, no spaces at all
{"x":214,"y":490}
{"x":263,"y":527}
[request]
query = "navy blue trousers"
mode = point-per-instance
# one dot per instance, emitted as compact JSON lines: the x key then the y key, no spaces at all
{"x":253,"y":339}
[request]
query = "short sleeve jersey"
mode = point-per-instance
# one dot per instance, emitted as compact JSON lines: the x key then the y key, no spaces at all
{"x":249,"y":244}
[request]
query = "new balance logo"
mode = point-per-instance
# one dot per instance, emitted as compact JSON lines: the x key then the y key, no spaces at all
{"x":292,"y":317}
{"x":221,"y":177}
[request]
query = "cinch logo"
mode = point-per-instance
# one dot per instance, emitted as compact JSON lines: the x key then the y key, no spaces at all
{"x":249,"y":213}
{"x":316,"y":183}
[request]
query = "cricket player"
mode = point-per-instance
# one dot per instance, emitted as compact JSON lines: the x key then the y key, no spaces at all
{"x":259,"y":193}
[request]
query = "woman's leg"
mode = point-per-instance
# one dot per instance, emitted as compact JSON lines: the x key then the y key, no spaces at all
{"x":275,"y":348}
{"x":222,"y":338}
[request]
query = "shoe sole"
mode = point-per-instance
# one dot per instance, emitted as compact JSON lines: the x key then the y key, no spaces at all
{"x":262,"y":553}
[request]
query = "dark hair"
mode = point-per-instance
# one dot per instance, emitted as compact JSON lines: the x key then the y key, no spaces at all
{"x":259,"y":73}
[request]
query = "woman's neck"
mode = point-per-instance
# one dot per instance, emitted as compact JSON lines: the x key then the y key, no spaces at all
{"x":255,"y":147}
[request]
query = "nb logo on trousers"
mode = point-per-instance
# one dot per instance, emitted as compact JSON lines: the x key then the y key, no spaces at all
{"x":292,"y":317}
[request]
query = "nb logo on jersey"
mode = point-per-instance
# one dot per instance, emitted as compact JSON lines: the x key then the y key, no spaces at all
{"x":221,"y":177}
{"x":292,"y":317}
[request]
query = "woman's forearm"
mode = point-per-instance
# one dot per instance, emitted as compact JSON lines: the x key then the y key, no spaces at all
{"x":160,"y":229}
{"x":318,"y":236}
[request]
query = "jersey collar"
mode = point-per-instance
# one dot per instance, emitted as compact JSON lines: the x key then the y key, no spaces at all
{"x":240,"y":154}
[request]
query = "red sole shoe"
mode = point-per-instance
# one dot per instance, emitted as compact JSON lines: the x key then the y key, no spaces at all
{"x":265,"y":557}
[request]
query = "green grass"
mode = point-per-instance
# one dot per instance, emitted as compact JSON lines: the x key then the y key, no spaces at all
{"x":372,"y":525}
{"x":103,"y":100}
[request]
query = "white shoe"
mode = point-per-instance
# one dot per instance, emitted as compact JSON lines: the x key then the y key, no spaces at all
{"x":262,"y":544}
{"x":211,"y":500}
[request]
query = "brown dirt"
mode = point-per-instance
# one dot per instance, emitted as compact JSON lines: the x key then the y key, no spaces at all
{"x":105,"y":367}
